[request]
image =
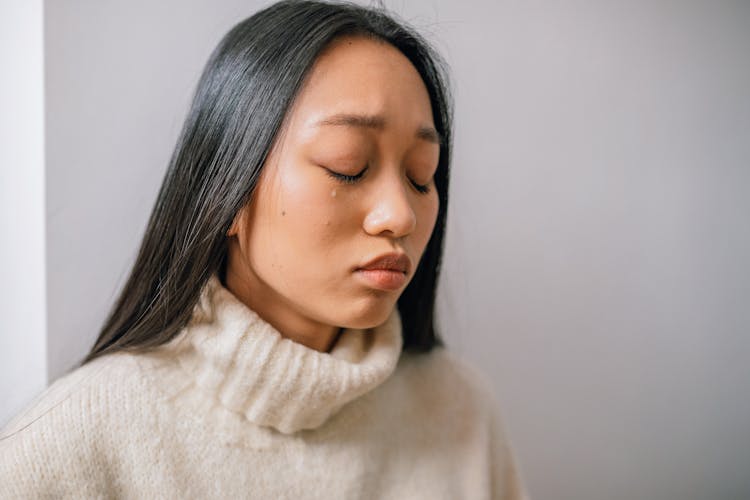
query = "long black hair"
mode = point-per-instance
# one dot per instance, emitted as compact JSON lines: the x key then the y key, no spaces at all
{"x":243,"y":95}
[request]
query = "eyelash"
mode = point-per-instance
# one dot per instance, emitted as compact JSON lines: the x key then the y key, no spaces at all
{"x":351,"y":179}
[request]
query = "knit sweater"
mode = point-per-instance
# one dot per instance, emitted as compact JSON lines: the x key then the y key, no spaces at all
{"x":231,"y":409}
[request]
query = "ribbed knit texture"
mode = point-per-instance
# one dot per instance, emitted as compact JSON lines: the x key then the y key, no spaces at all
{"x":231,"y":409}
{"x":236,"y":359}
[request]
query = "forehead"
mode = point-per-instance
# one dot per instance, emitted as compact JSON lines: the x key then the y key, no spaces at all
{"x":363,"y":76}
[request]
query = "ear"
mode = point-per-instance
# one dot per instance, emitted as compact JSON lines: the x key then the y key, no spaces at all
{"x":239,"y":220}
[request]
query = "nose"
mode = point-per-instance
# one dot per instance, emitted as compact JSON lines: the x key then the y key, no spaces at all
{"x":391,"y":211}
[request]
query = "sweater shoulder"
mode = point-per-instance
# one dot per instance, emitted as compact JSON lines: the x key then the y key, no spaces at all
{"x":74,"y":388}
{"x":448,"y":376}
{"x":447,"y":392}
{"x":55,"y":440}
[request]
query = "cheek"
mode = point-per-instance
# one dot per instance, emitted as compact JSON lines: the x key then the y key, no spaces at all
{"x":311,"y":206}
{"x":310,"y":222}
{"x":426,"y":217}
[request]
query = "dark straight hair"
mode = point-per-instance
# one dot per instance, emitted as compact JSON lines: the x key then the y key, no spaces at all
{"x":243,"y":95}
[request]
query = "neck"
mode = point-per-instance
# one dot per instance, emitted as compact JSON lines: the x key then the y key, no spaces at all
{"x":276,"y":310}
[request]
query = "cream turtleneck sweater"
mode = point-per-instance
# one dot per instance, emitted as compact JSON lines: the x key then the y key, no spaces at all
{"x":231,"y":409}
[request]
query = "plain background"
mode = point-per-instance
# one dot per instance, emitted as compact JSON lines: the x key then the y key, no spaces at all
{"x":596,"y":262}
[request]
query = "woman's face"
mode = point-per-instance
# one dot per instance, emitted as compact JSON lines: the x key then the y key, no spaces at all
{"x":295,"y":251}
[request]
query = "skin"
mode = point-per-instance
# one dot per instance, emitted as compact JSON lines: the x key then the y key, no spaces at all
{"x":294,"y":248}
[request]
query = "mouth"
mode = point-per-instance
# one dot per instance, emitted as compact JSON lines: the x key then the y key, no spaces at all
{"x":393,"y":261}
{"x":386,"y":272}
{"x":383,"y":279}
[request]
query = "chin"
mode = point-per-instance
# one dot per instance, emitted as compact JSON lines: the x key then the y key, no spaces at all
{"x":368,"y":314}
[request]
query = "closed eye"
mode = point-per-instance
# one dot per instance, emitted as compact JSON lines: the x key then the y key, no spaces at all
{"x":421,"y":188}
{"x":347,"y":179}
{"x":351,"y":179}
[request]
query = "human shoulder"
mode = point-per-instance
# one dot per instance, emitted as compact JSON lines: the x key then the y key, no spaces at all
{"x":56,"y":440}
{"x":71,"y":389}
{"x":443,"y":373}
{"x":455,"y":404}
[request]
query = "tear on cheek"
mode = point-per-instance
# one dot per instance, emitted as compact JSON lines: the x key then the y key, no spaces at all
{"x":333,"y":193}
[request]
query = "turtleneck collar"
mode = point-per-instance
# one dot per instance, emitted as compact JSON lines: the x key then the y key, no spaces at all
{"x":232,"y":356}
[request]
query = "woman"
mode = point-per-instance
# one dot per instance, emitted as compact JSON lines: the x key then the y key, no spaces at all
{"x":275,"y":338}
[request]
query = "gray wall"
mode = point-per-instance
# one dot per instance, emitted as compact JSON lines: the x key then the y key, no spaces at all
{"x":595,"y":264}
{"x":600,"y":239}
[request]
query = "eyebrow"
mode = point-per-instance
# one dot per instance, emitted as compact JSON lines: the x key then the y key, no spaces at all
{"x":425,"y":132}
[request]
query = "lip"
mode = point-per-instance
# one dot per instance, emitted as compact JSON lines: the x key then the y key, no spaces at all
{"x":386,"y":272}
{"x":393,"y":261}
{"x":382,"y":279}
